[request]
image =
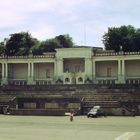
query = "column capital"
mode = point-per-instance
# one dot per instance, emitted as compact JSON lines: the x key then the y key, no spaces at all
{"x":87,"y":59}
{"x":59,"y":59}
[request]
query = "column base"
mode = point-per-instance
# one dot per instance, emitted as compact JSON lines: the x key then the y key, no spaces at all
{"x":4,"y":81}
{"x":30,"y":81}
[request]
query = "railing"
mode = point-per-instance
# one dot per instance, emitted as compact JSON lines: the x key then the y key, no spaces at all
{"x":44,"y":82}
{"x":115,"y":53}
{"x":17,"y":82}
{"x":105,"y":80}
{"x":133,"y":80}
{"x":98,"y":80}
{"x":46,"y":55}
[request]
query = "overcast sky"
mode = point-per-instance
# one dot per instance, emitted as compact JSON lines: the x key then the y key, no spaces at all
{"x":84,"y":20}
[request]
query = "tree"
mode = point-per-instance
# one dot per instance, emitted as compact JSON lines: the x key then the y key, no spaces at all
{"x":23,"y":43}
{"x":49,"y":45}
{"x":136,"y":40}
{"x":126,"y":37}
{"x":2,"y":48}
{"x":20,"y":44}
{"x":36,"y":49}
{"x":65,"y":40}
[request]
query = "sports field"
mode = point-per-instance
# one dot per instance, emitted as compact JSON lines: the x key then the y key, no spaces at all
{"x":60,"y":128}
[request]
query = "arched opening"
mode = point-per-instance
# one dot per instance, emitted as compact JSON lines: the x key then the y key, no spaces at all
{"x":67,"y":80}
{"x":80,"y":79}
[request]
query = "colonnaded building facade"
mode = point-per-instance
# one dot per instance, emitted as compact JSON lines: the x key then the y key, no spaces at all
{"x":70,"y":79}
{"x":71,"y":66}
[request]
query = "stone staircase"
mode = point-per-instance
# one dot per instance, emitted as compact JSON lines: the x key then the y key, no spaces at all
{"x":107,"y":96}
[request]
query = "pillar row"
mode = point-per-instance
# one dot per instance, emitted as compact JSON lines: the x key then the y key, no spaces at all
{"x":4,"y":74}
{"x":88,"y":67}
{"x":59,"y":68}
{"x":121,"y":71}
{"x":30,"y":73}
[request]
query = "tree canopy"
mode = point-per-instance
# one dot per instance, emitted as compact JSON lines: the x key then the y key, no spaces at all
{"x":126,"y":38}
{"x":2,"y":47}
{"x":23,"y":43}
{"x":49,"y":45}
{"x":65,"y":41}
{"x":20,"y":44}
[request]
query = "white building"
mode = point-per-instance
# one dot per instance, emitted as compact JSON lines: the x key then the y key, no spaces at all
{"x":71,"y":66}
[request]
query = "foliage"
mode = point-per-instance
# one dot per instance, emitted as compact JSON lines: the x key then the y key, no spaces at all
{"x":49,"y":45}
{"x":65,"y":41}
{"x":23,"y":43}
{"x":20,"y":44}
{"x":2,"y":48}
{"x":126,"y":37}
{"x":36,"y":50}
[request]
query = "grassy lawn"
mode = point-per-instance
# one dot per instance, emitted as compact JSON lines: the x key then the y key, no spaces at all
{"x":60,"y":128}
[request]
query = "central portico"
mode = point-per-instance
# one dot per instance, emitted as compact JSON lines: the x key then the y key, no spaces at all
{"x":74,"y":66}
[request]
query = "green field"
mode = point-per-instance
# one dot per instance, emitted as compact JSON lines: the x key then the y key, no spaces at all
{"x":60,"y":128}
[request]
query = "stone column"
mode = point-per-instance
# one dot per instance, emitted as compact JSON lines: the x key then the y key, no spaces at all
{"x":59,"y":68}
{"x":119,"y":71}
{"x":4,"y":74}
{"x":32,"y":70}
{"x":31,"y":73}
{"x":123,"y":71}
{"x":94,"y":71}
{"x":3,"y":70}
{"x":55,"y":69}
{"x":88,"y":68}
{"x":6,"y":70}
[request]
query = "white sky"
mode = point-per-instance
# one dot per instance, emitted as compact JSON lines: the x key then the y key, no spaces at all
{"x":84,"y":20}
